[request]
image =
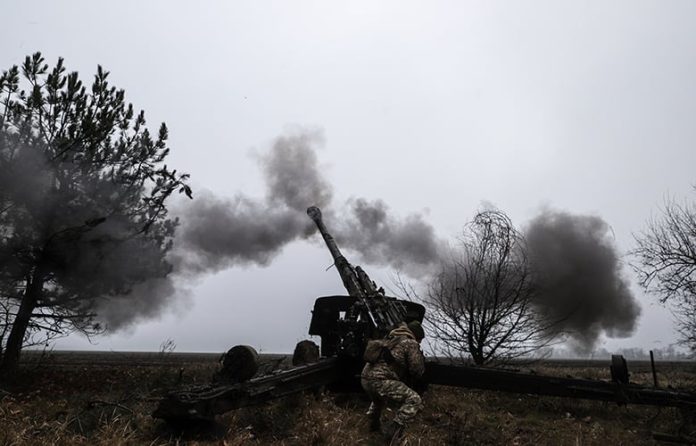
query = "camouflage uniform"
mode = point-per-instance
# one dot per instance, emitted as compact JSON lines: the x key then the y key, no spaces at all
{"x":383,"y":380}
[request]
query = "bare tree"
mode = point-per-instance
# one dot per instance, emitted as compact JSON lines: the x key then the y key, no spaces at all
{"x":666,"y":254}
{"x":481,"y":302}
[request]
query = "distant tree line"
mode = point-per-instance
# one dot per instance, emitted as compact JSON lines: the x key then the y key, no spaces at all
{"x":672,"y":352}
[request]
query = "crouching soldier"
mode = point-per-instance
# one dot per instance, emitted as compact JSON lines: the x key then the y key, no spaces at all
{"x":390,"y":364}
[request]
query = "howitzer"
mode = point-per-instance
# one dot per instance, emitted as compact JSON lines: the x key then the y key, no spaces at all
{"x":367,"y":314}
{"x":345,"y":324}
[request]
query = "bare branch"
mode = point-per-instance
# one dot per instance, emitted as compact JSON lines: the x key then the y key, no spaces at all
{"x":480,"y":304}
{"x":666,"y":266}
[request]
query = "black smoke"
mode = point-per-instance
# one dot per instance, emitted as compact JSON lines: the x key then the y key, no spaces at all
{"x":577,"y":264}
{"x":146,"y":300}
{"x":406,"y":244}
{"x":581,"y":285}
{"x":81,"y":224}
{"x":578,"y":267}
{"x":219,"y":233}
{"x":292,"y":174}
{"x":215,"y":233}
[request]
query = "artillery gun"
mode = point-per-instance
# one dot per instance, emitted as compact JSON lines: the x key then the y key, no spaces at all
{"x":345,"y":324}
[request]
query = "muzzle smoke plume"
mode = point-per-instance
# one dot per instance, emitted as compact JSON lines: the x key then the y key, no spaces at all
{"x":407,"y":244}
{"x":580,"y":278}
{"x":580,"y":271}
{"x":574,"y":255}
{"x":86,"y":239}
{"x":217,"y":233}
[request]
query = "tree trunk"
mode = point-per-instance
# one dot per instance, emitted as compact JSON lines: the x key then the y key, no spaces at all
{"x":13,"y":348}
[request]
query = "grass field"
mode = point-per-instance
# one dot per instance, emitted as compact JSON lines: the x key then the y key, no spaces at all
{"x":77,"y":398}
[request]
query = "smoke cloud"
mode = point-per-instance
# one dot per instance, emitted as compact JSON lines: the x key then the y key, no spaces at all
{"x":85,"y":236}
{"x":407,"y":244}
{"x":215,"y":233}
{"x":580,"y":278}
{"x":146,"y":300}
{"x":292,"y":174}
{"x":218,"y":233}
{"x":576,"y":262}
{"x":578,"y":267}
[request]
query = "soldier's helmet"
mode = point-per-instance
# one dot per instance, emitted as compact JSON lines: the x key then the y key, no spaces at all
{"x":417,"y":330}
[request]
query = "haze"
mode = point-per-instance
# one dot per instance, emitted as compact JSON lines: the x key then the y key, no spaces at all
{"x":435,"y":108}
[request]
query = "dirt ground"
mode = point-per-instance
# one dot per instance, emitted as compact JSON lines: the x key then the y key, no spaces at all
{"x":107,"y":399}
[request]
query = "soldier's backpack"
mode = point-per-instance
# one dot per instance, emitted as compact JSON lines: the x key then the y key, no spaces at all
{"x":379,"y":349}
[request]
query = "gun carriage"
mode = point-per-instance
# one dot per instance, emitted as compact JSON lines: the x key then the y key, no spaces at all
{"x":344,"y":325}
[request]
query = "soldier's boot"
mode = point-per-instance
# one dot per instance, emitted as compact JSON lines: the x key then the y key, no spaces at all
{"x":394,"y":432}
{"x":374,"y":414}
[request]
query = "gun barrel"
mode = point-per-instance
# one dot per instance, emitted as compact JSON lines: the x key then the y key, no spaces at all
{"x":345,"y":269}
{"x":315,"y":214}
{"x":382,"y":313}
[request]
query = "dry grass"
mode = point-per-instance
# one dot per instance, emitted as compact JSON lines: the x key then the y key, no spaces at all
{"x":111,"y":405}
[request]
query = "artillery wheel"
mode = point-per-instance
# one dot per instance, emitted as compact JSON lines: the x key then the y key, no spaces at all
{"x":306,"y":352}
{"x":619,"y":369}
{"x":239,"y":364}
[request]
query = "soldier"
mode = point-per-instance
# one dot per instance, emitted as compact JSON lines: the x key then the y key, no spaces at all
{"x":384,"y":379}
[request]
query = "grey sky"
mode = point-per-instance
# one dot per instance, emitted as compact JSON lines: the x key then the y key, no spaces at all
{"x":586,"y":107}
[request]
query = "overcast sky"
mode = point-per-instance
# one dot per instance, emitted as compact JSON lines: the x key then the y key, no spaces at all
{"x":433,"y":107}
